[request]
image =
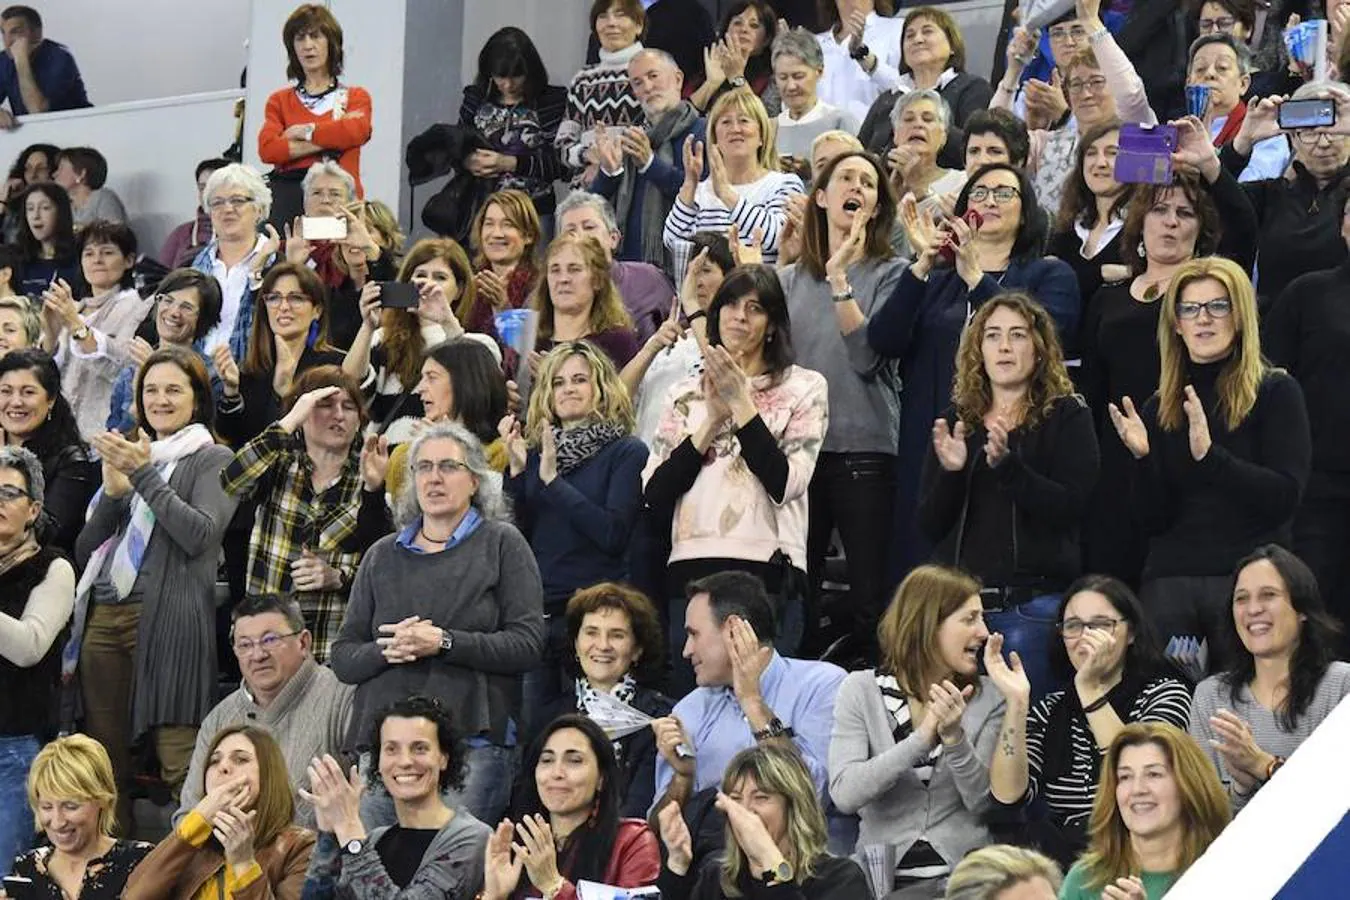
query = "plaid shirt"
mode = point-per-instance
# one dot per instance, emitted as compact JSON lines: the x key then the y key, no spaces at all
{"x":337,"y":523}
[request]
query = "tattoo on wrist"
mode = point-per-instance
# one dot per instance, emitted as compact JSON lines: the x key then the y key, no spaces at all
{"x":1007,"y":741}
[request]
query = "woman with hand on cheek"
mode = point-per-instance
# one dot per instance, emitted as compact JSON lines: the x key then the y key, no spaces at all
{"x":238,"y":842}
{"x":1221,"y":452}
{"x":1007,"y":480}
{"x":432,"y":848}
{"x":913,"y":738}
{"x":775,"y":836}
{"x":575,"y":496}
{"x":144,"y":626}
{"x":1050,"y":749}
{"x":1286,"y":678}
{"x":566,"y":826}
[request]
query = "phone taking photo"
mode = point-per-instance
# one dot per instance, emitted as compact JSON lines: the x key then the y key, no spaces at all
{"x":1311,"y":113}
{"x":323,"y":228}
{"x":17,"y":887}
{"x":1145,"y":153}
{"x":398,"y":294}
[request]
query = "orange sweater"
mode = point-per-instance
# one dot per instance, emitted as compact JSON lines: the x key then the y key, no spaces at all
{"x":344,"y":129}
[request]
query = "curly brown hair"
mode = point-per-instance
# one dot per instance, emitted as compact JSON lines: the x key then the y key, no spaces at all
{"x":643,"y":618}
{"x":1146,"y":196}
{"x":971,"y":391}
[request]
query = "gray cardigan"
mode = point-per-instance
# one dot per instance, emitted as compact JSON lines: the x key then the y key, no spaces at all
{"x":484,"y":591}
{"x":873,"y":776}
{"x":308,"y":717}
{"x":864,"y":386}
{"x":175,"y":666}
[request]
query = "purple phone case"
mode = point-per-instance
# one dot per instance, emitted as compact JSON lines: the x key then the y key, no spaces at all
{"x":1145,"y":154}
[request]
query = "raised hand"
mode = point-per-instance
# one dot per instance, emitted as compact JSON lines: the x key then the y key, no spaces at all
{"x":996,"y":442}
{"x":636,"y":144}
{"x":670,"y":739}
{"x":1021,"y":48}
{"x":58,"y":301}
{"x":1237,"y":746}
{"x":748,"y":658}
{"x":1261,"y":122}
{"x":730,"y":382}
{"x":297,"y":248}
{"x":850,"y":249}
{"x":946,"y":705}
{"x":115,"y":484}
{"x":1008,"y":675}
{"x":233,"y":828}
{"x":721,"y":181}
{"x":501,"y":865}
{"x":968,"y":267}
{"x":548,"y":455}
{"x":1092,"y":675}
{"x":226,"y":368}
{"x":1127,"y":888}
{"x":234,"y":792}
{"x":689,"y":302}
{"x":539,"y":853}
{"x":712,"y":65}
{"x":513,"y":436}
{"x":374,"y":461}
{"x":923,"y":233}
{"x":433,"y":306}
{"x":853,"y":28}
{"x":358,"y":234}
{"x":1130,"y":426}
{"x":1046,"y":103}
{"x":1195,"y":150}
{"x":733,"y":59}
{"x":751,"y":254}
{"x":671,"y":330}
{"x":608,"y":151}
{"x":270,"y":246}
{"x":123,"y":454}
{"x":675,"y":835}
{"x":949,"y":444}
{"x":336,"y":797}
{"x":1197,"y":424}
{"x":139,"y":350}
{"x":304,"y":406}
{"x":754,"y":839}
{"x":693,"y":161}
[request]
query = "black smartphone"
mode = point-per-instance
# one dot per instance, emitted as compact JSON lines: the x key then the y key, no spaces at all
{"x":1311,"y":113}
{"x":18,"y":887}
{"x":398,"y":294}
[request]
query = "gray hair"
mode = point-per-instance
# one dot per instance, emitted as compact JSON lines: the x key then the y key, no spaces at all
{"x":246,"y":179}
{"x":798,"y":44}
{"x":579,"y":200}
{"x":659,"y":54}
{"x":28,"y":316}
{"x":1317,"y":89}
{"x":989,"y":871}
{"x":944,"y":112}
{"x":26,"y":464}
{"x":1239,"y":48}
{"x":328,"y":167}
{"x":488,"y":499}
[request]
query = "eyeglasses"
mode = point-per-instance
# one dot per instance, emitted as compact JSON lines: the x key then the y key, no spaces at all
{"x":1001,"y":194}
{"x":1223,"y":23}
{"x":9,"y":493}
{"x":333,"y":194}
{"x":1218,"y":309}
{"x":231,"y":202}
{"x":1093,"y":85}
{"x":446,"y":467}
{"x":268,"y":643}
{"x":1062,"y":33}
{"x":1309,"y":138}
{"x":167,"y":302}
{"x":1072,"y":628}
{"x":276,"y":299}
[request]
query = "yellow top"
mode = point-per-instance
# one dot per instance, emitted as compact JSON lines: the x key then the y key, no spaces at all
{"x":196,"y":830}
{"x":397,"y":475}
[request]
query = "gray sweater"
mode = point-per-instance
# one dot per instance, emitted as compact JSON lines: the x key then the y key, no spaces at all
{"x":864,"y":387}
{"x":795,"y":138}
{"x":175,"y":667}
{"x":451,"y":868}
{"x":309,"y":718}
{"x":873,"y":776}
{"x":1212,"y":695}
{"x":484,"y":591}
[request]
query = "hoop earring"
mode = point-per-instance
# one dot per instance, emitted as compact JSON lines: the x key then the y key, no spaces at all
{"x":1141,"y":251}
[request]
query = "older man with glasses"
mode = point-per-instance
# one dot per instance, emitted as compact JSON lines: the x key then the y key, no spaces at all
{"x":284,"y":690}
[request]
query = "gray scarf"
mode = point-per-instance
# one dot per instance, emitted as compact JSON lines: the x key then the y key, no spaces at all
{"x":675,"y":121}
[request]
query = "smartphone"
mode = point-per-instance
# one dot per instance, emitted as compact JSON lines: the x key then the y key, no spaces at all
{"x":398,"y":294}
{"x":1145,"y":154}
{"x":947,"y":252}
{"x":323,"y":228}
{"x":18,"y":887}
{"x":1311,"y":113}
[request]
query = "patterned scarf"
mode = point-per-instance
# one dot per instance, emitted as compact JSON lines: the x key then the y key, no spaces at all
{"x":659,"y":133}
{"x":128,"y":551}
{"x":894,"y":700}
{"x":580,"y":443}
{"x":624,"y":692}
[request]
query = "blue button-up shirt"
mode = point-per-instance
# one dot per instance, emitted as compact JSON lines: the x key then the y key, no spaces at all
{"x":57,"y":75}
{"x":801,"y":694}
{"x":407,"y":538}
{"x":1269,"y":158}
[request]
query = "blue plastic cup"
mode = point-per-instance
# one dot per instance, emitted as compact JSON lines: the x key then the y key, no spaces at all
{"x":1197,"y":100}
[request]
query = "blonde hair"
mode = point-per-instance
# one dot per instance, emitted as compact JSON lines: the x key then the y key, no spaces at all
{"x":1244,"y":369}
{"x":908,"y":629}
{"x":777,"y":768}
{"x":519,"y":210}
{"x":971,"y":391}
{"x":742,"y":99}
{"x":840,"y":136}
{"x":989,"y":871}
{"x":383,"y":224}
{"x":28,"y":316}
{"x":75,"y":767}
{"x":1204,"y":805}
{"x":612,"y":403}
{"x":607,"y":309}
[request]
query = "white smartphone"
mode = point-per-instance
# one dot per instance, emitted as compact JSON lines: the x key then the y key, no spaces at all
{"x":323,"y":228}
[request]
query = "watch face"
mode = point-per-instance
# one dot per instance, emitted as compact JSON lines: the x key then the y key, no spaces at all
{"x":353,"y":846}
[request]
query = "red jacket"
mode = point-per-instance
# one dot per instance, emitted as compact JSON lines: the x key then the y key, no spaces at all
{"x":635,"y":861}
{"x":346,"y":133}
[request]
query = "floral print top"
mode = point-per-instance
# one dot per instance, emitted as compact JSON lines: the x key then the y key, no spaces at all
{"x":104,"y":878}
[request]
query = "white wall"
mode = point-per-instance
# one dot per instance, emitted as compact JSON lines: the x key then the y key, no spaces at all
{"x":142,"y":49}
{"x":557,"y":27}
{"x":152,"y":147}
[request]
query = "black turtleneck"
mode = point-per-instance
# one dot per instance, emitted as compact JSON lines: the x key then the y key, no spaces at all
{"x":1204,"y":516}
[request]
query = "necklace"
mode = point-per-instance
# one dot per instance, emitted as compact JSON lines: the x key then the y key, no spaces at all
{"x":431,"y":540}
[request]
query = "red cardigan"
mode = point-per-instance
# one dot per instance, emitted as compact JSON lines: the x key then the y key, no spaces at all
{"x":346,"y":134}
{"x":635,"y":861}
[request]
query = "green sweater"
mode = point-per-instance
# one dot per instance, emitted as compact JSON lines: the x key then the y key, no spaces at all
{"x":1075,"y":884}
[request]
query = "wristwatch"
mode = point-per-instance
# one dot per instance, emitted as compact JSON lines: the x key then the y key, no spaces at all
{"x":775,"y":729}
{"x":354,"y":846}
{"x":843,"y":296}
{"x":80,"y":333}
{"x":859,"y":53}
{"x":447,"y":640}
{"x":736,"y":81}
{"x":779,"y":874}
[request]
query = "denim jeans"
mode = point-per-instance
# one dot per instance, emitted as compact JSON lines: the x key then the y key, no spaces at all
{"x":16,"y":819}
{"x":1029,"y":629}
{"x":486,"y":795}
{"x":542,"y":686}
